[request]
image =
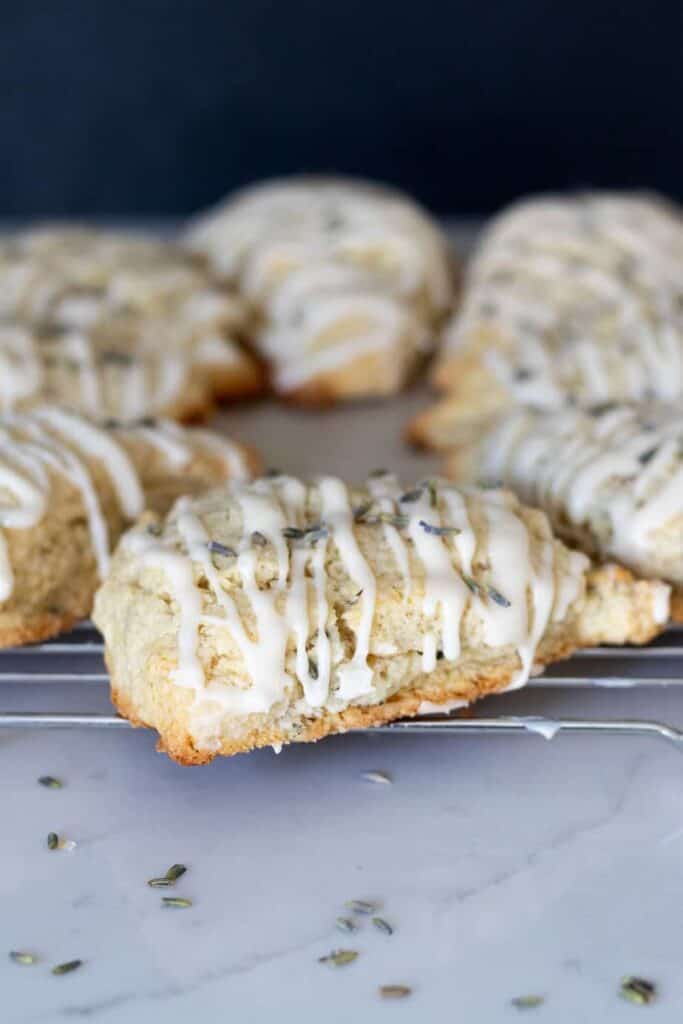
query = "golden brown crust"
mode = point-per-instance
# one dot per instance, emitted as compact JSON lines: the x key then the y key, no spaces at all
{"x":677,"y":605}
{"x":374,"y":375}
{"x":37,"y":628}
{"x":615,"y":609}
{"x":477,"y":399}
{"x":240,"y":382}
{"x":467,"y":686}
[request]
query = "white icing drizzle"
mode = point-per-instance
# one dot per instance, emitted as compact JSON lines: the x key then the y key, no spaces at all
{"x":179,"y":445}
{"x":113,"y":325}
{"x":50,"y":440}
{"x":284,"y":583}
{"x":312,"y":672}
{"x":443,"y":586}
{"x":27,"y":451}
{"x":386,"y":492}
{"x":231,"y":454}
{"x":20,"y":369}
{"x":356,"y":677}
{"x":99,"y":444}
{"x":584,"y":295}
{"x":336,"y":270}
{"x":617,"y":474}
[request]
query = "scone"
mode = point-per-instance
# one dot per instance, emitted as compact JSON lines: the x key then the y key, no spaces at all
{"x":569,"y":301}
{"x":280,"y":611}
{"x":610,"y":480}
{"x":347,"y":282}
{"x":118,"y":325}
{"x":68,"y":488}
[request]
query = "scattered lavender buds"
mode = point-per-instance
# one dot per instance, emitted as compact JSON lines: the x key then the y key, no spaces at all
{"x":23,"y":958}
{"x":496,"y":596}
{"x":638,"y":990}
{"x":346,"y":924}
{"x":411,"y":496}
{"x":439,"y":531}
{"x":170,"y":878}
{"x":363,"y":906}
{"x":531,"y":1002}
{"x":395,"y":991}
{"x":50,"y":782}
{"x":339,"y":957}
{"x":382,"y":926}
{"x":68,"y":967}
{"x":216,"y":548}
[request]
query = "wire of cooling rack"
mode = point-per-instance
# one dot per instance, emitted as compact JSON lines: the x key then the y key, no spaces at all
{"x":76,"y":658}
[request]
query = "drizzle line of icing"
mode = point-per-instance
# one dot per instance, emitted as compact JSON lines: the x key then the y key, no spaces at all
{"x":618,"y":473}
{"x":471,"y":534}
{"x":584,"y":296}
{"x":51,"y":440}
{"x":337,"y":271}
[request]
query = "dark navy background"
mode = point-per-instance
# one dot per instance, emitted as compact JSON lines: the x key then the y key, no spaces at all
{"x":154,"y":107}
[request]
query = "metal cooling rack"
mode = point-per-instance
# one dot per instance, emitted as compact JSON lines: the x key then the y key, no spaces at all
{"x":76,"y":658}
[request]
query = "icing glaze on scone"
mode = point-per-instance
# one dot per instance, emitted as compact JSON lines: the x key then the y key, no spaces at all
{"x":575,"y":299}
{"x":115,"y":325}
{"x":337,"y":271}
{"x":49,"y":442}
{"x":461,"y":550}
{"x":614,"y":475}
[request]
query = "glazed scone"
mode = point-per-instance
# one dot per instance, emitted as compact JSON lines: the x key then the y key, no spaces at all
{"x":280,"y":611}
{"x":116,"y":325}
{"x":568,"y":301}
{"x":68,"y":488}
{"x":610,"y":480}
{"x":348,"y":282}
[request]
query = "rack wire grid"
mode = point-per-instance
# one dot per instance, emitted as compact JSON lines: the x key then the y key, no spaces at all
{"x":77,"y":658}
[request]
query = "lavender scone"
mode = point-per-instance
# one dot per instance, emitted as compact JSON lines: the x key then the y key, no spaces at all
{"x":68,"y":488}
{"x":278,"y":611}
{"x":112,"y":324}
{"x":348,"y":282}
{"x":569,"y":301}
{"x":610,"y":480}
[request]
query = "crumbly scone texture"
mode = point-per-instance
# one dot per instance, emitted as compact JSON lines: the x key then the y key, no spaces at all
{"x":348,"y":283}
{"x":118,"y":325}
{"x":610,"y":479}
{"x":567,"y":301}
{"x":53,"y":563}
{"x":201,"y":703}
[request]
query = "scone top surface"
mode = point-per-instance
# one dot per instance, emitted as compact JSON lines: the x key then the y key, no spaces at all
{"x":610,"y":478}
{"x":68,"y":487}
{"x":263,"y":605}
{"x":338,"y":272}
{"x":113,"y":324}
{"x":574,"y":297}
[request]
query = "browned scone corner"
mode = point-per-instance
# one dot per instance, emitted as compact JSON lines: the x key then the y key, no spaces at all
{"x":279,"y":611}
{"x":69,"y":488}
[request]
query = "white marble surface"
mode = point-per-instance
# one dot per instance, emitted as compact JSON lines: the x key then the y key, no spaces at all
{"x":508,"y":865}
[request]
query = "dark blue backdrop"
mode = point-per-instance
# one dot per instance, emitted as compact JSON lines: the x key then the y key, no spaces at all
{"x":161,"y":107}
